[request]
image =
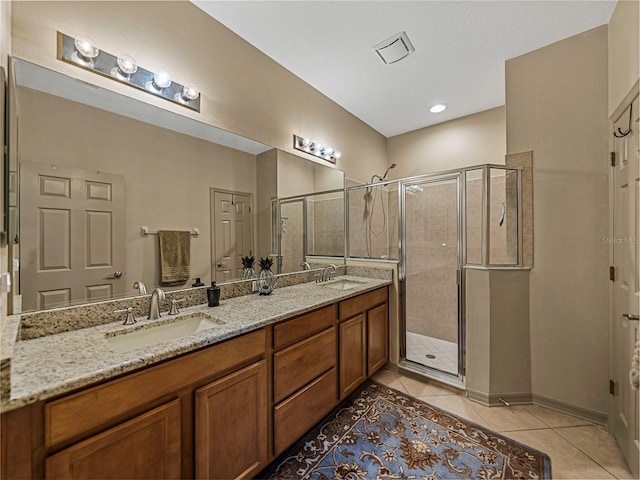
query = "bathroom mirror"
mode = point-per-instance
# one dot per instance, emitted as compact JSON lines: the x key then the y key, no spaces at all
{"x":129,"y":167}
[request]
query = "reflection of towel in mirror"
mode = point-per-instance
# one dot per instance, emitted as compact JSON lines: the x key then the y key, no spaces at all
{"x":175,"y":257}
{"x":634,"y":374}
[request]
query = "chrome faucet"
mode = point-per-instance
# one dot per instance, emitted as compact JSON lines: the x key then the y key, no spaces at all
{"x":329,"y":271}
{"x":154,"y":305}
{"x":142,"y":289}
{"x":305,"y":266}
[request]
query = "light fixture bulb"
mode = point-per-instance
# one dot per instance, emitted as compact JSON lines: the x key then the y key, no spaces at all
{"x":127,"y":65}
{"x":86,"y":47}
{"x":189,"y":93}
{"x":317,"y":147}
{"x":440,"y":107}
{"x":328,"y":151}
{"x":337,"y":154}
{"x":306,"y":142}
{"x":161,"y":80}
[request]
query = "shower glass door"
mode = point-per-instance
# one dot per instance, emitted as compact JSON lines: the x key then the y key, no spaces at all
{"x":430,"y":276}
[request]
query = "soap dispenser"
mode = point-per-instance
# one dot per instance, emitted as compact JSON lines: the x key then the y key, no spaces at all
{"x":213,"y":295}
{"x":197,"y":282}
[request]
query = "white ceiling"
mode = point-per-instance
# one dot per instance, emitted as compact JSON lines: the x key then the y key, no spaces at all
{"x":461,"y":47}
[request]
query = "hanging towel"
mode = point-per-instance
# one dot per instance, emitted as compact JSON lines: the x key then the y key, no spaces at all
{"x":634,"y":373}
{"x":175,"y":257}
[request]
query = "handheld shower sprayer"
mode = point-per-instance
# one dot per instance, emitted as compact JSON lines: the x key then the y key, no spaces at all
{"x":383,"y":177}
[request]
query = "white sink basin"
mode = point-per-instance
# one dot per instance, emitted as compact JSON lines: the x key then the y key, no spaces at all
{"x":126,"y":341}
{"x":343,"y":284}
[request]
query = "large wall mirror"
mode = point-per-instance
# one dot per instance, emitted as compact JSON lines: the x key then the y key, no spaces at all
{"x":91,"y":169}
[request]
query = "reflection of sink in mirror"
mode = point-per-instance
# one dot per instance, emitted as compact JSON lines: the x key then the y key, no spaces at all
{"x":125,"y":341}
{"x":343,"y":284}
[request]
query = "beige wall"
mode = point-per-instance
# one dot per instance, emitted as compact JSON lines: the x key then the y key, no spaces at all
{"x":168,"y":175}
{"x":557,"y":107}
{"x":5,"y":49}
{"x":466,"y":141}
{"x":624,"y":50}
{"x":243,"y":90}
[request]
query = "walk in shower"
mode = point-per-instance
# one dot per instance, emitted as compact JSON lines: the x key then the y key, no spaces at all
{"x":435,"y":226}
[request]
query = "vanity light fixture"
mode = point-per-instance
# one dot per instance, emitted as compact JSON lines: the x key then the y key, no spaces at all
{"x":83,"y":53}
{"x":325,"y":152}
{"x":438,"y":108}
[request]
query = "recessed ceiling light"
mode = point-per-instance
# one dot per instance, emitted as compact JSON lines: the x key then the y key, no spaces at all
{"x":440,"y":107}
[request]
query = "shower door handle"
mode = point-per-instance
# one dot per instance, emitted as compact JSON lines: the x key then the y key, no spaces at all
{"x":631,"y":316}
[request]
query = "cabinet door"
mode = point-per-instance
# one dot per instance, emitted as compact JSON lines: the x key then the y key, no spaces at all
{"x":231,"y":425}
{"x":148,"y":446}
{"x":377,"y":338}
{"x":353,"y":354}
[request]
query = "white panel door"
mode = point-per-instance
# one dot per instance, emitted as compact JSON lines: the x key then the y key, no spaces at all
{"x":232,"y":233}
{"x":71,"y":235}
{"x":624,"y":423}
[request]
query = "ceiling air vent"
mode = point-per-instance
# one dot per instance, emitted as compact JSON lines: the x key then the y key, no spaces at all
{"x":394,"y":48}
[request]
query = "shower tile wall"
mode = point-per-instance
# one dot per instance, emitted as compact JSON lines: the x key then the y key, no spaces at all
{"x":432,"y":243}
{"x":384,"y":245}
{"x":503,"y":240}
{"x":292,"y":237}
{"x":326,"y":227}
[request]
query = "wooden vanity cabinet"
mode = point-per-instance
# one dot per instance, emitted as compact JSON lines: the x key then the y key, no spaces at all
{"x":231,"y":425}
{"x":304,"y":374}
{"x":363,"y":338}
{"x":147,"y":446}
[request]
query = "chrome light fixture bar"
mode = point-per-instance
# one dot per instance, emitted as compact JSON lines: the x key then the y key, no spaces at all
{"x":316,"y":149}
{"x":83,"y":53}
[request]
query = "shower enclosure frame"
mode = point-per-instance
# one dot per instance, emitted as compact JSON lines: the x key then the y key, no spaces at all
{"x":460,"y":175}
{"x":276,"y":224}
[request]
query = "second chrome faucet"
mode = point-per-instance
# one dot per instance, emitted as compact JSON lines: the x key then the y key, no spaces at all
{"x":154,"y":305}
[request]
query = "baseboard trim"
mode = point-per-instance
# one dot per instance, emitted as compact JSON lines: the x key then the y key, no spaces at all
{"x":494,"y":399}
{"x":592,"y":416}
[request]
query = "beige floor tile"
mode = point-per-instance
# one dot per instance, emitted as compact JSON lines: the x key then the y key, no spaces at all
{"x":507,"y":419}
{"x":419,"y":388}
{"x":566,"y":460}
{"x":390,"y":379}
{"x":595,"y":442}
{"x":555,"y":419}
{"x":458,"y":405}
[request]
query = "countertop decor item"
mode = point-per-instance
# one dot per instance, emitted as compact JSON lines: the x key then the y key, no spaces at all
{"x":266,"y":278}
{"x":213,"y":295}
{"x":248,"y":272}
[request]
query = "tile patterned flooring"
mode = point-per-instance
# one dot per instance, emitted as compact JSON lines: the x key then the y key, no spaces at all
{"x":446,"y":353}
{"x":578,"y":449}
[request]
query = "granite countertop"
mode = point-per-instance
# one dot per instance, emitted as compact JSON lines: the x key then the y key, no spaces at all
{"x":48,"y":366}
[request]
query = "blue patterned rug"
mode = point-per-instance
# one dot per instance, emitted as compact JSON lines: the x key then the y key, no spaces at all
{"x":382,"y":434}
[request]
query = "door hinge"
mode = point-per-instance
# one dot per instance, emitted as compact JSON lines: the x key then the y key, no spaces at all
{"x":612,"y":387}
{"x":612,"y":274}
{"x":612,"y":158}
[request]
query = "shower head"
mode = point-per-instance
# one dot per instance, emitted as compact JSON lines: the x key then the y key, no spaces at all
{"x":393,"y":165}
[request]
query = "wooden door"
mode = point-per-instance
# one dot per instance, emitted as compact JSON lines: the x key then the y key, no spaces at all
{"x":232,"y":235}
{"x":145,"y":447}
{"x":353,"y":354}
{"x":231,"y":425}
{"x":71,"y":235}
{"x":626,"y":289}
{"x":377,"y":338}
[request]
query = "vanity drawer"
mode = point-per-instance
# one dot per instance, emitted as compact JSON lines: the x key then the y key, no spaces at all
{"x":299,"y":328}
{"x":353,"y":306}
{"x":300,"y":363}
{"x":299,"y":413}
{"x":87,"y":411}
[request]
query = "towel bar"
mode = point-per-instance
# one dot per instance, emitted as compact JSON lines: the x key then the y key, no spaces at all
{"x":144,"y":232}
